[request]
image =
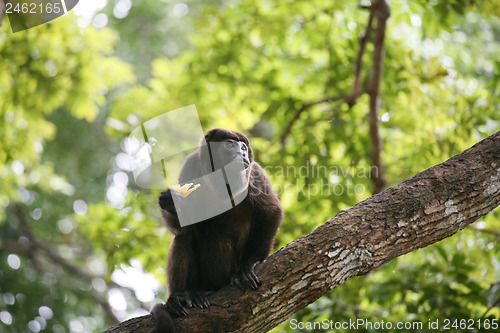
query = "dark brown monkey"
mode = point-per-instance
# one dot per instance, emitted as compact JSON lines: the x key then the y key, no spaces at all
{"x":223,"y":249}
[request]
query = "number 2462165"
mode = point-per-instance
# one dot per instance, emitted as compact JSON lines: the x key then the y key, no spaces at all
{"x":33,"y":8}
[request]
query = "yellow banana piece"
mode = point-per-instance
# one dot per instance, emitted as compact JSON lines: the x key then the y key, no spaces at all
{"x":185,"y":189}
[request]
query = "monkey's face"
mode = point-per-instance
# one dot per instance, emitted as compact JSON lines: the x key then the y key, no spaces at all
{"x":228,"y":151}
{"x":234,"y":157}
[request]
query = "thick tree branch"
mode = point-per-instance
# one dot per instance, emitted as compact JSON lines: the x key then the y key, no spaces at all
{"x":425,"y":209}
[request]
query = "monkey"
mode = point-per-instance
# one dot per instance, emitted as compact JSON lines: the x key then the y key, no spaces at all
{"x":224,"y":248}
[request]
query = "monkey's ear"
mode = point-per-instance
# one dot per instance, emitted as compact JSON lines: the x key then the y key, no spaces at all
{"x":204,"y":139}
{"x":208,"y":137}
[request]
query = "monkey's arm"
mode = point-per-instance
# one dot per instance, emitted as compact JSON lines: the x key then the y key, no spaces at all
{"x":267,"y":214}
{"x":182,"y":277}
{"x":257,"y":248}
{"x":191,"y":169}
{"x":169,"y":213}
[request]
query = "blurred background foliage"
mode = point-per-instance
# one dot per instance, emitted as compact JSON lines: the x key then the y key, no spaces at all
{"x":82,"y":247}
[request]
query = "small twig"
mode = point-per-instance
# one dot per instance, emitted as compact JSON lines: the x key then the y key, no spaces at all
{"x":305,"y":107}
{"x":359,"y":64}
{"x":486,"y":231}
{"x":496,"y":303}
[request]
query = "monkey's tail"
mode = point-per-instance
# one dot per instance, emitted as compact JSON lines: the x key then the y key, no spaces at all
{"x":164,"y":322}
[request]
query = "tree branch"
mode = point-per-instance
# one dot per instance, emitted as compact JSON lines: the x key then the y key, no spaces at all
{"x":495,"y":233}
{"x":359,"y":64}
{"x":496,"y":303}
{"x":38,"y":245}
{"x":431,"y":206}
{"x":305,"y":107}
{"x":380,"y":10}
{"x":52,"y":253}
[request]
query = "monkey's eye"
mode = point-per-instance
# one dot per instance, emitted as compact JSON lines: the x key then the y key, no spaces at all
{"x":244,"y":147}
{"x":229,"y":145}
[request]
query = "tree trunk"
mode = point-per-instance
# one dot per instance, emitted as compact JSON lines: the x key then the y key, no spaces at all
{"x":425,"y":209}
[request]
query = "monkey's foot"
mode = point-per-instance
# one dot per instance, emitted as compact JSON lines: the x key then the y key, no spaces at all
{"x":175,"y":306}
{"x":197,"y":299}
{"x":246,"y":277}
{"x":177,"y":302}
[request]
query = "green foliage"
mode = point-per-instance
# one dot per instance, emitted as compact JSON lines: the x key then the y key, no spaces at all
{"x":129,"y":229}
{"x":68,"y":98}
{"x":53,"y":81}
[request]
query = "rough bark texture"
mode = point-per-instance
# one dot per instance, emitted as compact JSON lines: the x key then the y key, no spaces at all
{"x":425,"y":209}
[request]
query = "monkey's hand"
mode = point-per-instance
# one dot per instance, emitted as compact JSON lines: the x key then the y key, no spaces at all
{"x":177,"y":302}
{"x":246,"y":277}
{"x":166,"y":201}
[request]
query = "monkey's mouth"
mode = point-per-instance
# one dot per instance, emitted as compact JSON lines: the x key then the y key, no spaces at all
{"x":246,"y":162}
